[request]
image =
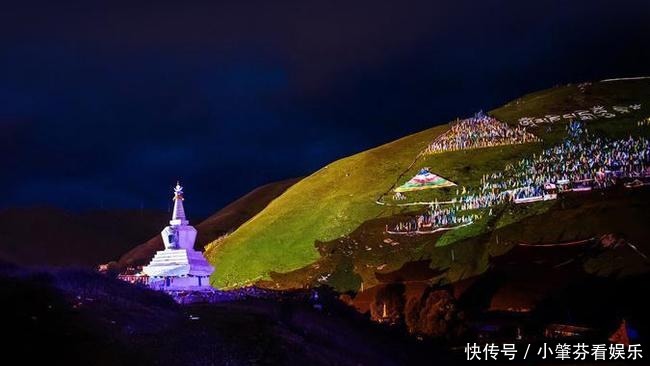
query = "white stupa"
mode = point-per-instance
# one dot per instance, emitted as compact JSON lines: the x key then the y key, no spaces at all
{"x":179,"y":266}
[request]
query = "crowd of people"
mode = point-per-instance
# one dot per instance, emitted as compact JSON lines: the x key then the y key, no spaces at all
{"x":435,"y":217}
{"x":477,"y":132}
{"x":643,"y":122}
{"x":582,"y":159}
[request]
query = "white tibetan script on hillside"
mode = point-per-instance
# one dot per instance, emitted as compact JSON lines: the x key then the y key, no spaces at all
{"x":592,"y":113}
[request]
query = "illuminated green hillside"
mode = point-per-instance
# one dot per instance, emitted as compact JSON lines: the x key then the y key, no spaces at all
{"x":325,"y":223}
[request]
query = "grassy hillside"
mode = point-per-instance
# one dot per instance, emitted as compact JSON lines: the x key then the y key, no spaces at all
{"x":324,"y":206}
{"x":333,"y":213}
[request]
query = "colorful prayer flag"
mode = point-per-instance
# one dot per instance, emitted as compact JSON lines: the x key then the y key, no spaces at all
{"x":424,"y":180}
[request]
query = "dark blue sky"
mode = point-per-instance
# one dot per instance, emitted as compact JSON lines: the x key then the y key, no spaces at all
{"x":108,"y":103}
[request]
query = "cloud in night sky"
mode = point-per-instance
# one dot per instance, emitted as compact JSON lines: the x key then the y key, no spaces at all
{"x":108,"y":103}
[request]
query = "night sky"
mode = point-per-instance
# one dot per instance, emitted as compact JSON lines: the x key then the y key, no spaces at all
{"x":107,"y":103}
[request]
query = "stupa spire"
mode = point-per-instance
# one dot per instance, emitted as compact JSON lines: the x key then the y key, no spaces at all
{"x":178,"y":214}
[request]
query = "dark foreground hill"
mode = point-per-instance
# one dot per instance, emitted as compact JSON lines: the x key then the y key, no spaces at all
{"x":82,"y":318}
{"x":77,"y":317}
